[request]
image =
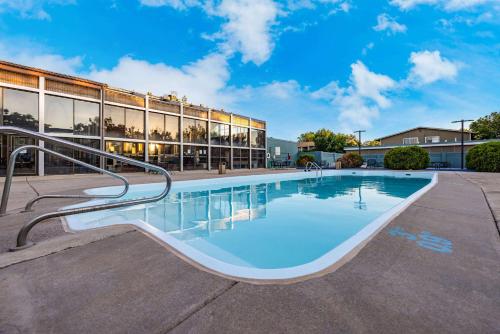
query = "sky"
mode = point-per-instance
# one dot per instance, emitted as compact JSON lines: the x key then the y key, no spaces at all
{"x":380,"y":65}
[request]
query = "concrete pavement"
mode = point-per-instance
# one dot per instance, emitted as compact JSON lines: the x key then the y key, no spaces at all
{"x":128,"y":283}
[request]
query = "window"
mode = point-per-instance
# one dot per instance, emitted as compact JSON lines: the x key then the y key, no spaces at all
{"x":165,"y":155}
{"x":432,"y":139}
{"x":127,"y":149}
{"x":220,"y":155}
{"x":240,"y":136}
{"x":20,"y":108}
{"x":219,"y":134}
{"x":410,"y":141}
{"x":123,"y":122}
{"x":258,"y":138}
{"x":55,"y":165}
{"x":195,"y":131}
{"x":64,"y":115}
{"x":258,"y":158}
{"x":195,"y":157}
{"x":240,"y":158}
{"x":163,"y":127}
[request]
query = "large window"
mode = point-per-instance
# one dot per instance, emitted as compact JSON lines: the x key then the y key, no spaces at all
{"x":127,"y":149}
{"x":55,"y":165}
{"x":195,"y":157}
{"x":240,"y":136}
{"x":258,"y":138}
{"x":64,"y":115}
{"x":241,"y":158}
{"x":410,"y":141}
{"x":258,"y":158}
{"x":165,"y":155}
{"x":220,"y":155}
{"x":123,"y":122}
{"x":219,"y":134}
{"x":19,"y":108}
{"x":195,"y":131}
{"x":163,"y":127}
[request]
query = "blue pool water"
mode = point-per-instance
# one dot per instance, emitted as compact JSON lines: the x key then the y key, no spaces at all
{"x":265,"y":225}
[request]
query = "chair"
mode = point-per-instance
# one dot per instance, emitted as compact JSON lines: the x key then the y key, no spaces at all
{"x":371,"y":163}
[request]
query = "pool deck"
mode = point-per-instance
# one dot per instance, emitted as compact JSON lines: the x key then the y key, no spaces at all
{"x":119,"y":280}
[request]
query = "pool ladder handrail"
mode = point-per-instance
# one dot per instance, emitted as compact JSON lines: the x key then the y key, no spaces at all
{"x":311,"y":164}
{"x":22,"y":236}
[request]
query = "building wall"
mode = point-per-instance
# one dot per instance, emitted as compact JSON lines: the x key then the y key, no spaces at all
{"x":421,"y":133}
{"x":286,"y":147}
{"x":171,"y":133}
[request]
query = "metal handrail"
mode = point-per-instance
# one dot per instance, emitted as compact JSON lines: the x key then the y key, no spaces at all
{"x":311,"y":164}
{"x":23,"y":233}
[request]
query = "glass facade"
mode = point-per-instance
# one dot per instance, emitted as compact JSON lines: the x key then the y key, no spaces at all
{"x":123,"y":122}
{"x":220,"y":155}
{"x":240,"y":136}
{"x":19,"y":108}
{"x":179,"y":136}
{"x":55,"y":165}
{"x":165,"y":155}
{"x":131,"y":150}
{"x":163,"y":127}
{"x":195,"y":131}
{"x":219,"y":134}
{"x":68,"y":116}
{"x":241,"y":158}
{"x":195,"y":157}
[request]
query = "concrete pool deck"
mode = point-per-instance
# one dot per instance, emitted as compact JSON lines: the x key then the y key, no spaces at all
{"x":118,"y":280}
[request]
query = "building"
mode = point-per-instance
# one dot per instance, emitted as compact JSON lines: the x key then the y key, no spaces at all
{"x":443,"y":145}
{"x":161,"y":130}
{"x":281,"y":152}
{"x":304,"y":146}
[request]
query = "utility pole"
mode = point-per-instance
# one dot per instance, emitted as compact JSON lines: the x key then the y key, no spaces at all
{"x":359,"y":140}
{"x":462,"y":121}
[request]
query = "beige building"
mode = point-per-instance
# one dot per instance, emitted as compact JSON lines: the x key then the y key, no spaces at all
{"x":443,"y":145}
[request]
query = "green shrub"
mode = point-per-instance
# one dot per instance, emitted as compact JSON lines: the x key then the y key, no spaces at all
{"x":304,"y":159}
{"x":351,"y":160}
{"x":484,"y":157}
{"x":408,"y":157}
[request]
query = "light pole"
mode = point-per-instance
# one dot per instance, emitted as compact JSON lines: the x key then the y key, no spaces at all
{"x":359,"y":140}
{"x":462,"y":121}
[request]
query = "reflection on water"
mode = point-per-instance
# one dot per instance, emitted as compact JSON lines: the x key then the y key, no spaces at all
{"x":267,"y":225}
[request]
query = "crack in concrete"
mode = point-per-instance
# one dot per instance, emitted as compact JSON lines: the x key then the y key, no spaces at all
{"x":201,"y":307}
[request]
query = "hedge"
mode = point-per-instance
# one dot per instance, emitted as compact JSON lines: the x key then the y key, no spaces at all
{"x":408,"y":157}
{"x":484,"y":157}
{"x":351,"y":160}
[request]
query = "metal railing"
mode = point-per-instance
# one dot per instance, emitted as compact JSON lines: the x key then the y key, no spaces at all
{"x":22,"y":237}
{"x":311,"y":164}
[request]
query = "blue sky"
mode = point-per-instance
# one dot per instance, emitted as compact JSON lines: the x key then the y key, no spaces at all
{"x":379,"y":65}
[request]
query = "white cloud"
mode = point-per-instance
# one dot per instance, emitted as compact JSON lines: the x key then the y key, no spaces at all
{"x":389,"y":24}
{"x":31,"y":9}
{"x":429,"y":66}
{"x":449,"y":5}
{"x":202,"y":81}
{"x":359,"y":103}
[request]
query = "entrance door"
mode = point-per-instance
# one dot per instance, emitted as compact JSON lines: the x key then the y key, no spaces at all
{"x":26,"y":162}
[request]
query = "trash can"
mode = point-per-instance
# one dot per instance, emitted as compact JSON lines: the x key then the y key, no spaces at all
{"x":222,"y":168}
{"x":338,"y":165}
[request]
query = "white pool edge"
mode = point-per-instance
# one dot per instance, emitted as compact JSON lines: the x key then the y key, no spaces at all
{"x":356,"y":242}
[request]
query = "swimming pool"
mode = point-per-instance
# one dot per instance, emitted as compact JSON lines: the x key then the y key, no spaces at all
{"x":274,"y":226}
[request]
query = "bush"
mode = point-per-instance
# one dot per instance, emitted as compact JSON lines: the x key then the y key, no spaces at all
{"x":484,"y":157}
{"x":409,"y":157}
{"x":304,"y":159}
{"x":351,"y":160}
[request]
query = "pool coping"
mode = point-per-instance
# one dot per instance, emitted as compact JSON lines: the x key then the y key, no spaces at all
{"x":327,"y":263}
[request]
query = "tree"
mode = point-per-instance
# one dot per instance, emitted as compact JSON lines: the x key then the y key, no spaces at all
{"x":307,"y":136}
{"x":323,"y":139}
{"x":327,"y":141}
{"x":371,"y":143}
{"x":487,"y":127}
